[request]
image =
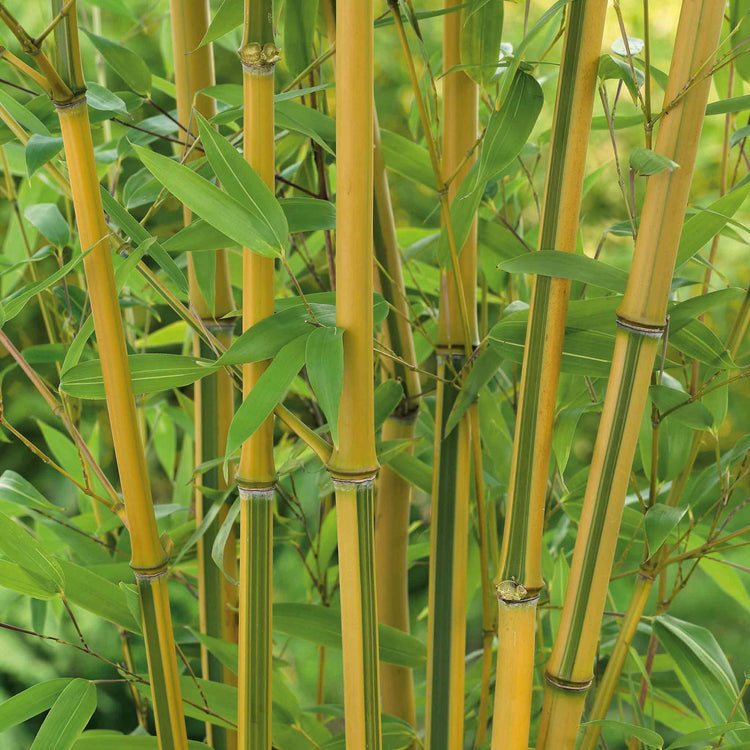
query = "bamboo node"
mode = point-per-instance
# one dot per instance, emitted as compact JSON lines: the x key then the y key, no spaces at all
{"x":260,"y":494}
{"x":512,"y":591}
{"x":641,"y":329}
{"x":260,"y":59}
{"x":568,"y":686}
{"x":150,"y":573}
{"x":220,"y":326}
{"x":353,"y":482}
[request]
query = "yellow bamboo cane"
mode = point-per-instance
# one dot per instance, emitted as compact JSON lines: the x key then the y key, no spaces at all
{"x":394,"y":492}
{"x":214,"y":395}
{"x":149,"y":559}
{"x":457,"y":335}
{"x":641,"y":323}
{"x":354,"y":465}
{"x":256,"y":474}
{"x":519,"y":579}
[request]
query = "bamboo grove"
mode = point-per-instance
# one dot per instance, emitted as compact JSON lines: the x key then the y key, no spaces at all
{"x":374,"y":374}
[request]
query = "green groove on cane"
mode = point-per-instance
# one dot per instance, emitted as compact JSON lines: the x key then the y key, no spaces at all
{"x":154,"y":656}
{"x":365,"y":535}
{"x":611,"y":459}
{"x":518,"y":523}
{"x":444,"y":513}
{"x":212,"y":576}
{"x":255,"y":673}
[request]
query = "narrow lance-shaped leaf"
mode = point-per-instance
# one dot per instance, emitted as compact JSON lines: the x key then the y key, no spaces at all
{"x":324,"y":361}
{"x":267,"y":392}
{"x":244,"y":184}
{"x":202,"y":197}
{"x":507,"y":132}
{"x":481,"y":35}
{"x":68,"y":717}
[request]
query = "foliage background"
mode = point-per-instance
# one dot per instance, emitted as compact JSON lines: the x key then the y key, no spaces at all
{"x":25,"y":661}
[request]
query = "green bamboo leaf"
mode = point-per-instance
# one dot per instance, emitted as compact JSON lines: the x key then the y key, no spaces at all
{"x":205,"y":275}
{"x":39,"y":150}
{"x":68,"y":717}
{"x":20,"y":547}
{"x":14,"y":303}
{"x":302,"y":215}
{"x":95,"y":739}
{"x":702,"y":737}
{"x":322,"y":626}
{"x":701,"y":666}
{"x":682,"y":313}
{"x":220,"y":540}
{"x":324,"y":361}
{"x":139,"y":236}
{"x":388,"y":396}
{"x":508,"y":78}
{"x":702,"y":227}
{"x":46,"y":217}
{"x":300,"y":17}
{"x":22,"y":114}
{"x":481,"y":372}
{"x":267,"y":337}
{"x":507,"y":132}
{"x":691,"y":413}
{"x":698,"y":341}
{"x":30,"y":702}
{"x":659,"y":521}
{"x":481,"y":34}
{"x":97,"y":595}
{"x":568,"y":266}
{"x":202,"y":197}
{"x":103,"y":100}
{"x":15,"y":489}
{"x":645,"y":162}
{"x":308,"y":122}
{"x":308,"y":214}
{"x":647,"y":736}
{"x":14,"y":578}
{"x":267,"y":392}
{"x":615,"y":68}
{"x":739,"y":135}
{"x":407,"y":158}
{"x":242,"y":182}
{"x":227,"y":18}
{"x":124,"y":62}
{"x":727,"y":106}
{"x":150,"y":373}
{"x":414,"y":471}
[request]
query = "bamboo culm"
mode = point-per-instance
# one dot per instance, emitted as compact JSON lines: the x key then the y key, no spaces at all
{"x":519,"y":580}
{"x":149,"y":559}
{"x":256,"y":475}
{"x":214,"y":395}
{"x":641,"y":319}
{"x":353,"y":465}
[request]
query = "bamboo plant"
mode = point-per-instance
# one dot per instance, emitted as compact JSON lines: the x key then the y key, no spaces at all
{"x":393,"y":491}
{"x":519,"y":580}
{"x":640,"y":321}
{"x":256,"y":475}
{"x":353,"y":465}
{"x":149,"y":558}
{"x":214,"y":395}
